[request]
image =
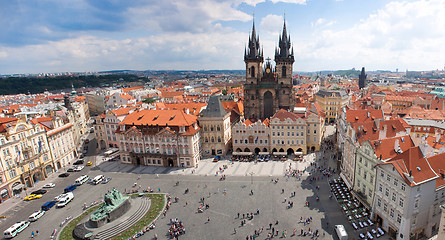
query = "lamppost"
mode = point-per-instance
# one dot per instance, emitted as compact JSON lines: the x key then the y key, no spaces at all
{"x":251,"y":177}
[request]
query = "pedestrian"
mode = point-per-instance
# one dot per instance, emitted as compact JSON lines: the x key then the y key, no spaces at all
{"x":208,"y":219}
{"x":32,"y":234}
{"x":186,"y":203}
{"x":37,"y":232}
{"x":234,"y":230}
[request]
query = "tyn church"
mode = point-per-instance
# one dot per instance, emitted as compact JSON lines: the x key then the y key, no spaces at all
{"x":268,"y":89}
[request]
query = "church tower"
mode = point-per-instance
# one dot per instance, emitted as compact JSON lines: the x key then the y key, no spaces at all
{"x":253,"y":57}
{"x":362,"y":79}
{"x":268,"y":89}
{"x":284,"y":58}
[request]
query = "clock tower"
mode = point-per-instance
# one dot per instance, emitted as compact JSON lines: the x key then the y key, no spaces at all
{"x":268,"y":89}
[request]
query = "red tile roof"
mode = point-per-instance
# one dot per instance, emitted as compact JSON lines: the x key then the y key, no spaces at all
{"x":385,"y":148}
{"x":438,"y":164}
{"x":361,"y":116}
{"x":282,"y":115}
{"x":159,"y":117}
{"x":413,"y":162}
{"x":123,"y":111}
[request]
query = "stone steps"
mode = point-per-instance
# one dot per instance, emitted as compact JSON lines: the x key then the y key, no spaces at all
{"x":142,"y":210}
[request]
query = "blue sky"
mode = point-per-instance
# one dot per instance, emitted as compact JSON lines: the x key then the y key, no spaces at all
{"x":95,"y":35}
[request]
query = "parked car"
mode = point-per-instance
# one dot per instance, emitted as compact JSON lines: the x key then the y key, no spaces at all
{"x":40,"y":191}
{"x":65,"y":200}
{"x":48,"y":205}
{"x":106,"y":180}
{"x":70,"y":170}
{"x":78,"y":168}
{"x":59,"y":197}
{"x":49,"y":185}
{"x":15,"y":229}
{"x":64,"y":175}
{"x":36,"y":215}
{"x":32,"y":197}
{"x":70,"y":188}
{"x":78,"y":162}
{"x":89,"y":163}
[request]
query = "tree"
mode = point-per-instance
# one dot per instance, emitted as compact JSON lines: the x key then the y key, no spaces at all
{"x":149,"y":100}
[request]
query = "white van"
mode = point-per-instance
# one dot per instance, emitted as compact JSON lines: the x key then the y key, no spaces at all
{"x":98,"y":179}
{"x":36,"y":215}
{"x":15,"y":229}
{"x":65,"y":199}
{"x":341,"y":232}
{"x":80,"y":180}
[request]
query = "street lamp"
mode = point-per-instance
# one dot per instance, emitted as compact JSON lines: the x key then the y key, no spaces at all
{"x":251,"y":177}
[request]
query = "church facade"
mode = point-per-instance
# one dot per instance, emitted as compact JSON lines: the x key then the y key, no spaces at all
{"x":268,"y":89}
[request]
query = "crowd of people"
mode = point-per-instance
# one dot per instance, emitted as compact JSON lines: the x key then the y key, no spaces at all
{"x":177,"y":228}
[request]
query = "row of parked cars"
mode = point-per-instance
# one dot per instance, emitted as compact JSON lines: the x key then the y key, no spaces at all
{"x":60,"y":201}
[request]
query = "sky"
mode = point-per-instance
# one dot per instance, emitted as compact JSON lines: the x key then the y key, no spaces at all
{"x":49,"y":36}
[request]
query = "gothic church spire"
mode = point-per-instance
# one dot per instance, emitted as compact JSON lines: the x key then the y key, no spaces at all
{"x":253,"y":50}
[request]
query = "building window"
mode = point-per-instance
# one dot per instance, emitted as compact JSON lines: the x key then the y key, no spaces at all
{"x":403,"y":186}
{"x":396,"y":182}
{"x":382,"y":174}
{"x":393,"y":197}
{"x":399,"y":218}
{"x":385,"y":207}
{"x":236,"y":141}
{"x":391,"y":212}
{"x":380,"y":188}
{"x":388,"y":178}
{"x":401,"y":202}
{"x":387,"y":192}
{"x":379,"y":202}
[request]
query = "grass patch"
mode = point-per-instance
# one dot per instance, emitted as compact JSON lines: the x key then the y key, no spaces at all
{"x":67,"y":232}
{"x":157,"y":204}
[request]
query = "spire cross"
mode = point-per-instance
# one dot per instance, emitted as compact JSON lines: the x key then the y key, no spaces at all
{"x":268,"y":59}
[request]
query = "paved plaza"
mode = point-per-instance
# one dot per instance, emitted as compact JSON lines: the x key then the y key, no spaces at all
{"x":225,"y":198}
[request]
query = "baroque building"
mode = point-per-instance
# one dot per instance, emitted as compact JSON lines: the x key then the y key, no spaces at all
{"x":166,"y":138}
{"x":268,"y":89}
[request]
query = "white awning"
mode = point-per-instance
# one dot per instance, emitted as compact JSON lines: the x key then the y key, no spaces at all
{"x":298,"y":153}
{"x":280,"y":153}
{"x":18,"y":187}
{"x":263,"y":153}
{"x":242,"y":153}
{"x":4,"y":191}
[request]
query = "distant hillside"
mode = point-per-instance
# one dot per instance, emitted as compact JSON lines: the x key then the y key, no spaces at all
{"x":16,"y":85}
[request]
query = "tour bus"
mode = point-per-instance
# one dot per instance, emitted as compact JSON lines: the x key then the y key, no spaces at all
{"x":98,"y":179}
{"x":341,"y":232}
{"x":79,"y":181}
{"x":15,"y":229}
{"x":65,"y":200}
{"x":36,"y":215}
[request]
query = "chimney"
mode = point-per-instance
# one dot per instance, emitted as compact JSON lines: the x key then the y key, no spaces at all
{"x":382,"y":133}
{"x":410,"y":173}
{"x":437,"y":137}
{"x":396,"y":146}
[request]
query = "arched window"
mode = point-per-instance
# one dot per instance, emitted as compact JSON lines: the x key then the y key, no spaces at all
{"x":207,"y":140}
{"x":252,"y":71}
{"x":218,"y":128}
{"x":213,"y":140}
{"x":205,"y":128}
{"x":283,"y":71}
{"x":211,"y":128}
{"x":219,"y":139}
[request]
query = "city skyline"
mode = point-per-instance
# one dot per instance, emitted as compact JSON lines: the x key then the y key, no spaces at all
{"x":84,"y":36}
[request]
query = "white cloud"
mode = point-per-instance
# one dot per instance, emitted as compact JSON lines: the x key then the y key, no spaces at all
{"x":303,"y":2}
{"x":400,"y":35}
{"x":249,"y":2}
{"x":271,"y":23}
{"x":221,"y":48}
